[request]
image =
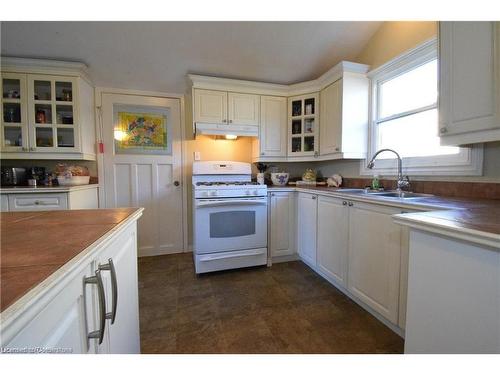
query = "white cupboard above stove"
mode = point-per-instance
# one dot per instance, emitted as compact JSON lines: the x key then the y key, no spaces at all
{"x":322,"y":119}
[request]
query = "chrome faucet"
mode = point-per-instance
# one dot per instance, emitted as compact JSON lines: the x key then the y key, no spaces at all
{"x":403,"y":182}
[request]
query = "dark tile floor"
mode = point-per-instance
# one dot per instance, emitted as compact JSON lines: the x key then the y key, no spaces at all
{"x":283,"y":309}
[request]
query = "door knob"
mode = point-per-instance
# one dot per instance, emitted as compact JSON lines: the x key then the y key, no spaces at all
{"x":176,"y":183}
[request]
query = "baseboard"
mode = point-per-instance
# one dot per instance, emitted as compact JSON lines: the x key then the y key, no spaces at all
{"x":151,"y":251}
{"x":285,"y":258}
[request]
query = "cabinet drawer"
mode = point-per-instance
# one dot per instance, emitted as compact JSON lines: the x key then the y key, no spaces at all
{"x":38,"y":202}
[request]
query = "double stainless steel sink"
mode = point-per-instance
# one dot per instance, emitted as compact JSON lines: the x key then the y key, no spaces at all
{"x":385,"y":194}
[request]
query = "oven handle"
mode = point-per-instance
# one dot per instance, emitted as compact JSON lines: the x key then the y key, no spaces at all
{"x":231,"y":202}
{"x":208,"y":258}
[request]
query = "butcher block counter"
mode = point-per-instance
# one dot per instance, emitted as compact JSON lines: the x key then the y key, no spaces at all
{"x":45,"y":255}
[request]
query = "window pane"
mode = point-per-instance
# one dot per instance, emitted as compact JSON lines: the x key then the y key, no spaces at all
{"x":411,"y":136}
{"x":414,"y":89}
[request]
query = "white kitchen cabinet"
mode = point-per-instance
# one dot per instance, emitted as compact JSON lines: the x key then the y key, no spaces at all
{"x":123,"y":333}
{"x":47,"y":111}
{"x":243,"y":109}
{"x":374,"y":258}
{"x":210,"y":106}
{"x":469,"y":82}
{"x":273,"y":127}
{"x":64,"y":313}
{"x":333,"y":235}
{"x":282,"y":224}
{"x":344,"y":117}
{"x":74,"y":199}
{"x":227,"y":108}
{"x":307,"y":212}
{"x":64,"y":322}
{"x":303,"y":125}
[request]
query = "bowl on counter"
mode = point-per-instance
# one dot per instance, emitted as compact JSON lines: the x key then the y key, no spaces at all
{"x":280,"y":178}
{"x":73,"y":180}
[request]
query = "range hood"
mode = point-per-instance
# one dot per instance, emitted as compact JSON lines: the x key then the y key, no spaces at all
{"x":223,"y":129}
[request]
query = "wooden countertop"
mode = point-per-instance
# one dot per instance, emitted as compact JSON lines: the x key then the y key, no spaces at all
{"x":36,"y":244}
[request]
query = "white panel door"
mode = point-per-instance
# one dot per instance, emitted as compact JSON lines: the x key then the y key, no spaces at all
{"x":374,"y":258}
{"x":273,"y":126}
{"x":330,"y":140}
{"x":282,"y":231}
{"x":243,"y":109}
{"x":210,"y":106}
{"x":469,"y":81}
{"x":123,"y":333}
{"x":307,"y":216}
{"x":333,"y":234}
{"x":150,"y":180}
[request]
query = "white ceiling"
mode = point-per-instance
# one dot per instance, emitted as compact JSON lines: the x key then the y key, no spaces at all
{"x":158,"y":55}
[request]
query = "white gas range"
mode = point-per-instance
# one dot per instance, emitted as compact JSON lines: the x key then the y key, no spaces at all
{"x":229,"y":217}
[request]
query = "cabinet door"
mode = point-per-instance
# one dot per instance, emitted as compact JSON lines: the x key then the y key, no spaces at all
{"x":331,"y":119}
{"x":64,"y":322}
{"x":333,"y":230}
{"x":282,"y":220}
{"x":469,"y":82}
{"x":53,"y":114}
{"x":123,"y":334}
{"x":244,"y":109}
{"x":273,"y":126}
{"x":374,"y":258}
{"x":303,"y":125}
{"x":307,"y":216}
{"x":210,"y":106}
{"x":14,"y":116}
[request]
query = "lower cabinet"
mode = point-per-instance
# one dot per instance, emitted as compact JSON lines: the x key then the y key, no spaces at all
{"x":358,"y":247}
{"x":307,"y":210}
{"x":333,"y":234}
{"x":47,"y":201}
{"x":96,"y":298}
{"x":374,"y":258}
{"x":282,"y":224}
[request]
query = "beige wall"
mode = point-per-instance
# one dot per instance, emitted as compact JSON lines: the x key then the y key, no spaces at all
{"x":394,"y":38}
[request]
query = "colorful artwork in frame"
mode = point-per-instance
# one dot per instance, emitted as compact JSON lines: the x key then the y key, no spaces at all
{"x":137,"y":132}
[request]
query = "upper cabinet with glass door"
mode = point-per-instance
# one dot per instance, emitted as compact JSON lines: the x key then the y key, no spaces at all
{"x":14,"y":129}
{"x":50,"y":115}
{"x":303,"y":124}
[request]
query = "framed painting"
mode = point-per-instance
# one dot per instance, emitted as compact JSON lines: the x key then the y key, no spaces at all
{"x":141,"y":130}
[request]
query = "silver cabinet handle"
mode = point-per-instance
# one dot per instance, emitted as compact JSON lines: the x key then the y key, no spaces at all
{"x":351,"y":204}
{"x":344,"y":203}
{"x":114,"y":288}
{"x":97,"y":280}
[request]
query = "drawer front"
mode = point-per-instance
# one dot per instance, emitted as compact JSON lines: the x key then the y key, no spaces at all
{"x":38,"y":202}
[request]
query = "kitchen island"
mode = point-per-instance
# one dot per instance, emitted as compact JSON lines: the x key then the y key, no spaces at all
{"x":69,"y":281}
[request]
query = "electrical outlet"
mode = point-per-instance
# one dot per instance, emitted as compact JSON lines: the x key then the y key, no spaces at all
{"x":197,"y":155}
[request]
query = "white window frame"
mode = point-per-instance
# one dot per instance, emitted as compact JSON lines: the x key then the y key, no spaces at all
{"x":468,"y":162}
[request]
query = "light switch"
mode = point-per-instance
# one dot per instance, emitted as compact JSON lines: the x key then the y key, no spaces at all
{"x":197,"y":155}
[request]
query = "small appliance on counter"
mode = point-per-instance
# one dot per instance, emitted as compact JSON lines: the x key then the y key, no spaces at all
{"x":12,"y":176}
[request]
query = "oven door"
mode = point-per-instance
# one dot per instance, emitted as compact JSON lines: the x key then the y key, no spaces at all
{"x":230,"y":224}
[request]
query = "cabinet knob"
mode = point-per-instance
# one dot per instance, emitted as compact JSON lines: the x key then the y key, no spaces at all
{"x":230,"y":121}
{"x":337,"y":149}
{"x":224,"y":120}
{"x":443,"y":130}
{"x":176,"y":183}
{"x":313,"y":197}
{"x":344,"y":203}
{"x":262,"y":153}
{"x":272,"y":194}
{"x":351,"y":204}
{"x":32,"y":148}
